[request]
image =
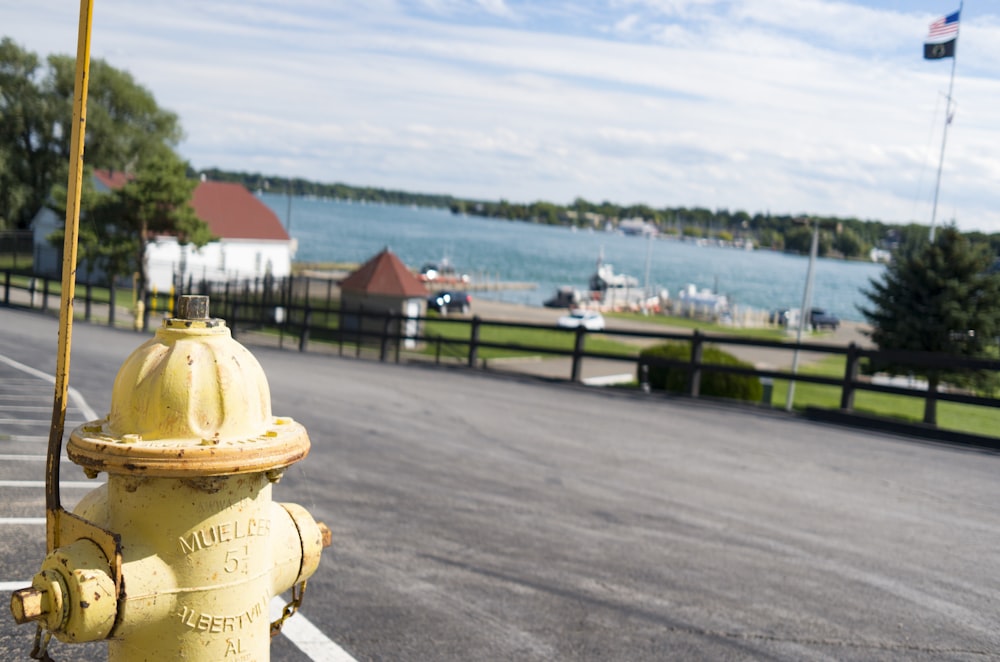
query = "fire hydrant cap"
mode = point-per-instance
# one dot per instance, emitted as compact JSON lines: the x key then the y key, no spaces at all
{"x":189,"y":402}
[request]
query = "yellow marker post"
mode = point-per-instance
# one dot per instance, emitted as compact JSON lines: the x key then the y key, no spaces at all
{"x":71,"y":236}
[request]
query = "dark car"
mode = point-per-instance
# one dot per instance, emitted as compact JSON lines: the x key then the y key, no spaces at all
{"x":778,"y":317}
{"x":820,"y":318}
{"x":445,"y":302}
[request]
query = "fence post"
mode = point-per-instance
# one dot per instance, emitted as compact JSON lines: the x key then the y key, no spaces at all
{"x":6,"y":288}
{"x":694,"y":372}
{"x":930,"y":404}
{"x":234,"y":310}
{"x":306,"y":321}
{"x":361,"y":325}
{"x":340,"y":330}
{"x":45,"y":295}
{"x":850,"y":376}
{"x":399,"y":336}
{"x":31,"y":292}
{"x":473,"y":341}
{"x":112,"y":297}
{"x":581,"y":335}
{"x":383,"y":350}
{"x":86,"y":301}
{"x":150,"y":299}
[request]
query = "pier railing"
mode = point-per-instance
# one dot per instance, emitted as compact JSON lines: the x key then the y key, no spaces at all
{"x":298,"y":315}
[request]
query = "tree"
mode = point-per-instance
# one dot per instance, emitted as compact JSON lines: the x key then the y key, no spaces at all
{"x":36,"y":115}
{"x":849,"y":243}
{"x":938,"y":297}
{"x":28,"y":131}
{"x":116,"y":227}
{"x":799,"y":239}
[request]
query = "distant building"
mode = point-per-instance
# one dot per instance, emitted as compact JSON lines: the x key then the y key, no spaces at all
{"x":383,"y":285}
{"x":251,"y":241}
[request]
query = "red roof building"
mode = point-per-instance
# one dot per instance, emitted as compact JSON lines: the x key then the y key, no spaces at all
{"x":379,"y":287}
{"x":110,"y":180}
{"x":251,"y":241}
{"x":232,"y":212}
{"x":384,"y":275}
{"x":229,"y":209}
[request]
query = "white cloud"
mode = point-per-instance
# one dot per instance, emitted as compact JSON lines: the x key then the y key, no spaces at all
{"x":781,"y":105}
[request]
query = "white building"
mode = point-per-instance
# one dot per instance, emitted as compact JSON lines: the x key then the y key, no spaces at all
{"x":251,"y":242}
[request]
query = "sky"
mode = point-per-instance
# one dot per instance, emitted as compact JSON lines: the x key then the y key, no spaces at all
{"x":822,"y":107}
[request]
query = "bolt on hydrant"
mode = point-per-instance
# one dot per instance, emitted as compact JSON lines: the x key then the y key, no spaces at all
{"x":194,"y":547}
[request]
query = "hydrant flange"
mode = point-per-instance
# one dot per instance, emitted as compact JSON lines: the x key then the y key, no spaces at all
{"x":189,"y":402}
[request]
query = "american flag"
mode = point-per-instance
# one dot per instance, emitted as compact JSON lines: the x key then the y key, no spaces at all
{"x":944,"y":28}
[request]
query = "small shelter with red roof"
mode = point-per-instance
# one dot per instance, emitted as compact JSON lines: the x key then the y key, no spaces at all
{"x":379,"y":287}
{"x":251,"y":241}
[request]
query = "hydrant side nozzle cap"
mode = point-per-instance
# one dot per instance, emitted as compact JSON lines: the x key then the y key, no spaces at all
{"x":28,"y":604}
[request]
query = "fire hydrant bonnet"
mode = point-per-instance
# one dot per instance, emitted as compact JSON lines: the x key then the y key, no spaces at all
{"x":191,"y":401}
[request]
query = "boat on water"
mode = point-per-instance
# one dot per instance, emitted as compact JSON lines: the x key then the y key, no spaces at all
{"x":613,"y":290}
{"x":442,"y":272}
{"x":701,"y":304}
{"x":606,"y":290}
{"x":566,"y":296}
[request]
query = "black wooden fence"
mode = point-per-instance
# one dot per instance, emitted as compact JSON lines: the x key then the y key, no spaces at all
{"x":304,"y":312}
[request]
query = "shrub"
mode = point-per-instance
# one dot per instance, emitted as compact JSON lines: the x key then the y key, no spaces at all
{"x":717,"y":384}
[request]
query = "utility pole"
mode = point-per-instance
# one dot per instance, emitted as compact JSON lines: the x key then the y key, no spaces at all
{"x":803,"y":313}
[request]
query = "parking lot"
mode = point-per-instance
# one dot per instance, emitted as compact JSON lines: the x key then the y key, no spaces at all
{"x":478,"y":517}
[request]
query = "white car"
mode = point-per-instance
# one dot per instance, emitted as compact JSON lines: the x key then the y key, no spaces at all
{"x":591,"y":320}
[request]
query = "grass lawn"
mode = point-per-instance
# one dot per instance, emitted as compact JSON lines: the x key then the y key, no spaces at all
{"x":765,"y":333}
{"x":951,"y":415}
{"x":527,"y":338}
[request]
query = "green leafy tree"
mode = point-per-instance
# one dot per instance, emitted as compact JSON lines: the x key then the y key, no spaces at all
{"x":29,"y":130}
{"x":36,"y":115}
{"x":799,"y":239}
{"x":772,"y":239}
{"x":938,"y":297}
{"x":849,"y":243}
{"x":117,"y":226}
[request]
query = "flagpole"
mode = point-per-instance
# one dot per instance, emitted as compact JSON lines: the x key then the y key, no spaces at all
{"x":947,"y":121}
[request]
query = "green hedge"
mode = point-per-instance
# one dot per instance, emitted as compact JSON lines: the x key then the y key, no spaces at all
{"x":717,"y":384}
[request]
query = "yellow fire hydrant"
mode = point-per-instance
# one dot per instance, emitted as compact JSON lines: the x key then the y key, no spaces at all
{"x":191,"y":450}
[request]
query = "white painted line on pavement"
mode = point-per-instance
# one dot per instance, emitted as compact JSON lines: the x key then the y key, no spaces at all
{"x":307,"y":637}
{"x":72,"y":484}
{"x":25,"y":438}
{"x":608,"y":380}
{"x":74,"y":395}
{"x":22,"y":520}
{"x":298,"y":629}
{"x":29,"y":458}
{"x":303,"y":634}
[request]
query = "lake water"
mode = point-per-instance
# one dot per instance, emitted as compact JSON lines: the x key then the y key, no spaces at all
{"x":333,"y":231}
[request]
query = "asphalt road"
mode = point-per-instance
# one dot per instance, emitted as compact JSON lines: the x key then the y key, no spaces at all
{"x":480,"y":517}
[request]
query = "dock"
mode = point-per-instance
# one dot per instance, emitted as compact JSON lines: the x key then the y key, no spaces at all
{"x":482,"y":284}
{"x":478,"y":285}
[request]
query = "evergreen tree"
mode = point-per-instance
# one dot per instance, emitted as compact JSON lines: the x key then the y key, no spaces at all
{"x":939,"y":297}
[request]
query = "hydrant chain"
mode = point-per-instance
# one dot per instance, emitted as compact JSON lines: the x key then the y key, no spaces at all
{"x":40,"y":651}
{"x":289,"y":609}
